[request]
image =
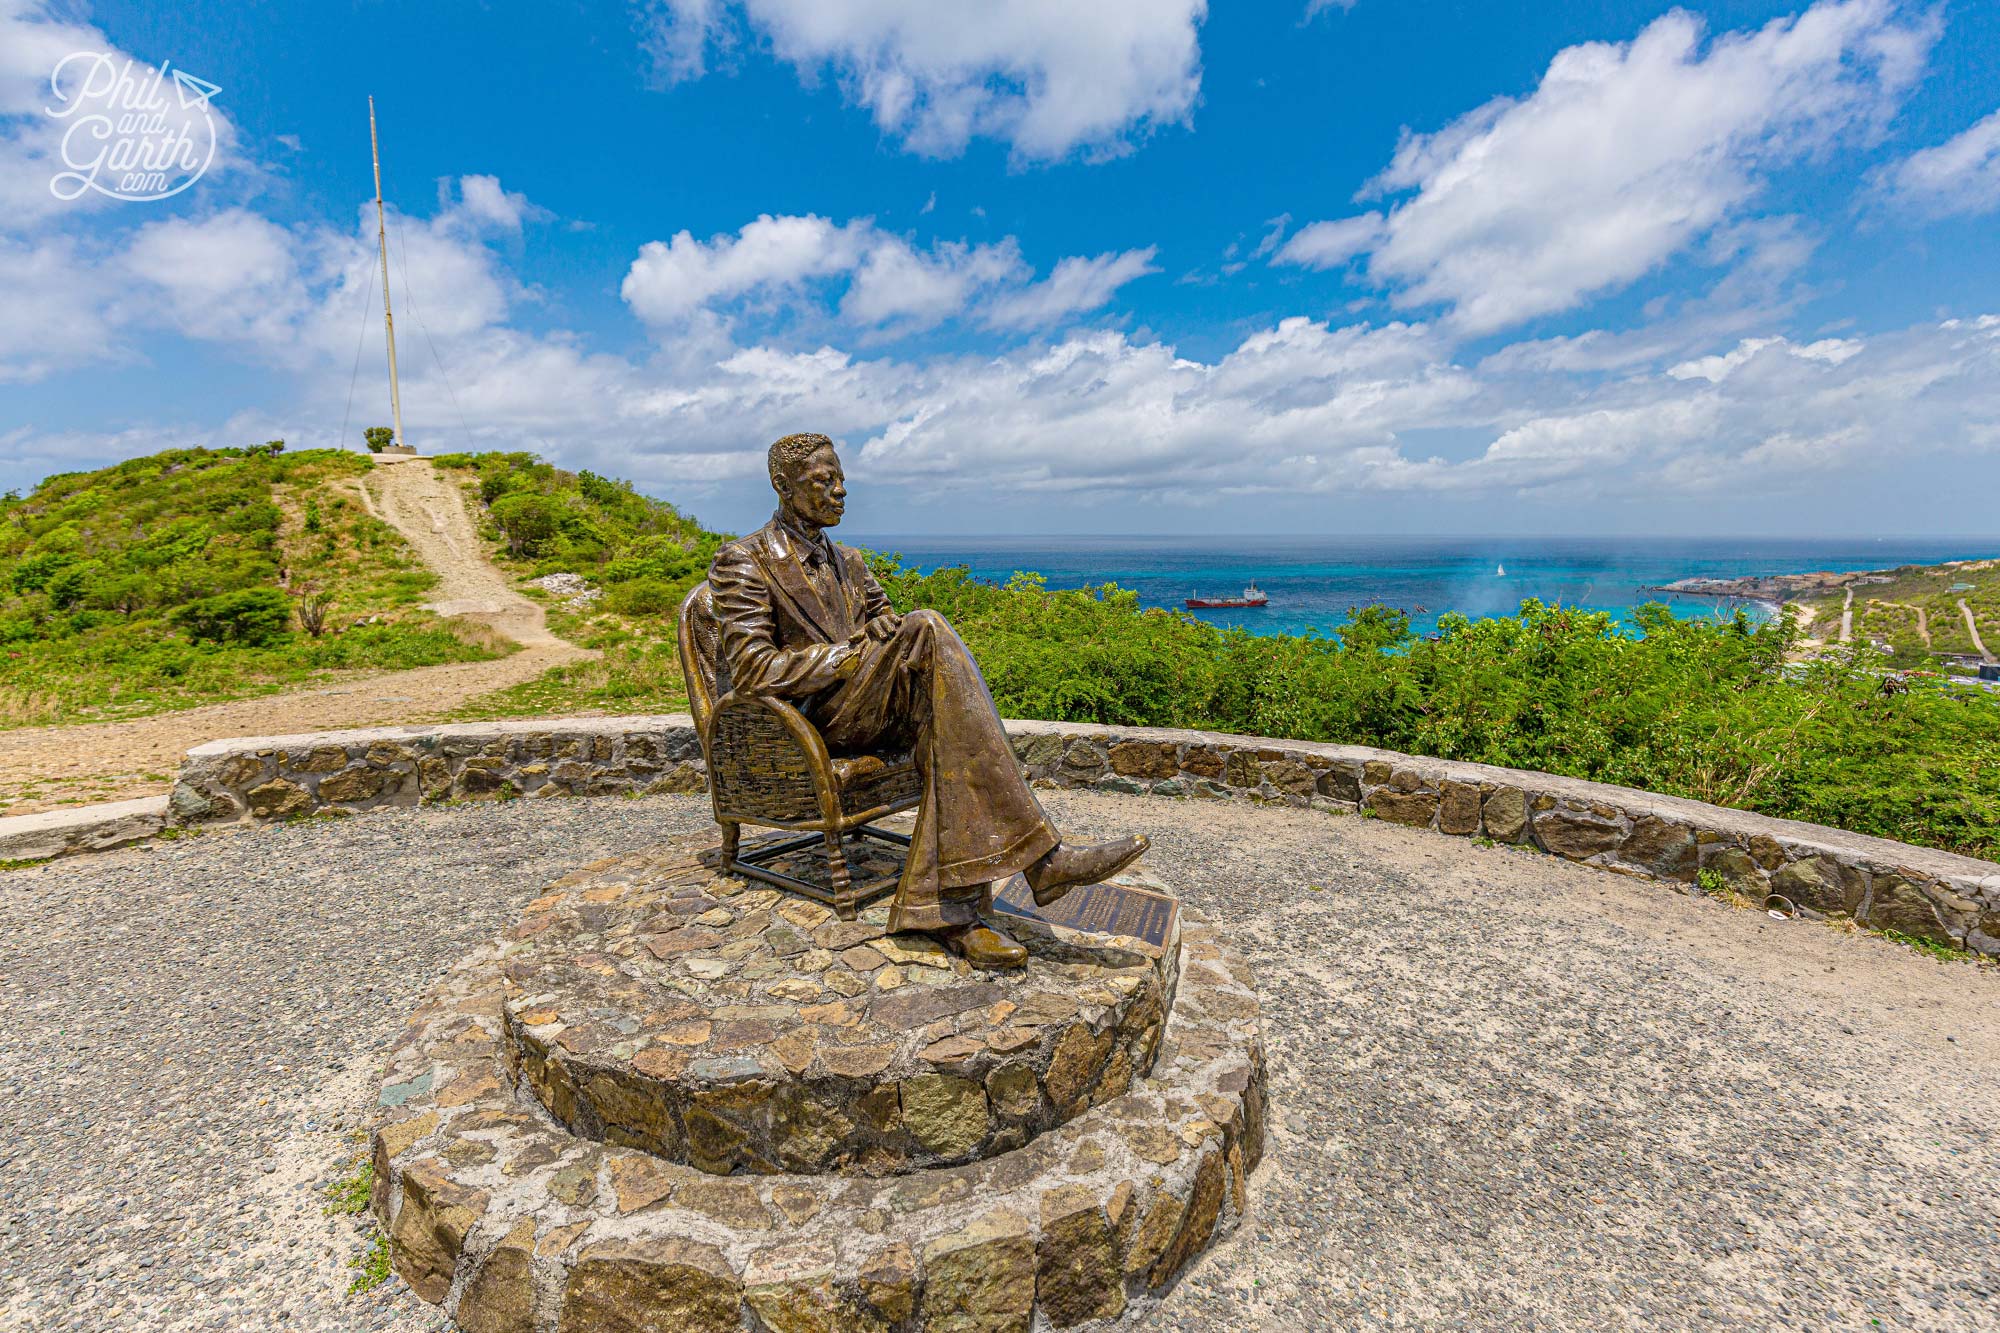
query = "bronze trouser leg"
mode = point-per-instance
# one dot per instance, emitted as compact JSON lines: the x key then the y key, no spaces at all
{"x":977,"y":822}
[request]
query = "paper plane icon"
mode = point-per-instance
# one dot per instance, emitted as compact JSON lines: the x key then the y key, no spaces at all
{"x":193,"y":92}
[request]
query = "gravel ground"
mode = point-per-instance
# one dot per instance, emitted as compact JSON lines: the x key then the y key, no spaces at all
{"x":1508,"y":1092}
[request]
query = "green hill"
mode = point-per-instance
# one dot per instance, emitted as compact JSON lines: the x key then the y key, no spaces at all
{"x":196,"y":575}
{"x":641,"y":554}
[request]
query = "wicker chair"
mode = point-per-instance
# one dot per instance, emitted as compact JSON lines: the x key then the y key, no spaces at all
{"x":768,"y":766}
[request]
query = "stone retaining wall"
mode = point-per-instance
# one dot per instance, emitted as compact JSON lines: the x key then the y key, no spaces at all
{"x":1886,"y":884}
{"x":279,"y":777}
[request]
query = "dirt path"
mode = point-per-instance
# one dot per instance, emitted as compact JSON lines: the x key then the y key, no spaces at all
{"x":429,"y":511}
{"x":1973,"y":627}
{"x":43,"y":767}
{"x":1847,"y":618}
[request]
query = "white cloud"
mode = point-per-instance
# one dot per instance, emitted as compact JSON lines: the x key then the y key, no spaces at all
{"x":1305,"y":407}
{"x":232,"y":276}
{"x":1782,"y":417}
{"x":896,"y":284}
{"x":288,"y":297}
{"x":1077,"y":285}
{"x":1716,"y":369}
{"x":1045,"y":76}
{"x":891,"y":285}
{"x":675,"y":35}
{"x":59,"y":304}
{"x":1607,"y":443}
{"x":1960,"y":175}
{"x":1274,"y":236}
{"x":481,"y":202}
{"x":1299,"y":408}
{"x":1705,"y":396}
{"x":1330,"y":244}
{"x":1625,"y":155}
{"x":671,"y":280}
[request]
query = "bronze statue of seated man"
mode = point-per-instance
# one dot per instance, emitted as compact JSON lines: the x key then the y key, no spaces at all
{"x":802,"y":619}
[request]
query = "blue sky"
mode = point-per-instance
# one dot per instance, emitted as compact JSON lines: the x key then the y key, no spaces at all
{"x":1041,"y":267}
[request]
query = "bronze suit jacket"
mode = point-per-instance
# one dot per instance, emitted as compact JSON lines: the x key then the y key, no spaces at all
{"x":784,"y":634}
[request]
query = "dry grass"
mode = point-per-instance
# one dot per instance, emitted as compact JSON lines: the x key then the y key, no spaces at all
{"x":477,"y":633}
{"x":27,"y":708}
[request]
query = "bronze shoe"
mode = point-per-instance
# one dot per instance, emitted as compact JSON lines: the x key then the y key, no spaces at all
{"x":1067,"y":867}
{"x":985,"y":948}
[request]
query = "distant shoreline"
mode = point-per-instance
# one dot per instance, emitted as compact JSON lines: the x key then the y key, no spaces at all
{"x":1769,"y":606}
{"x":1777,"y":589}
{"x":1314,"y":585}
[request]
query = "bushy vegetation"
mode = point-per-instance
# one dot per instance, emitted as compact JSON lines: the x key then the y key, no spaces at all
{"x":171,"y":580}
{"x":643,"y":554}
{"x":1712,"y":711}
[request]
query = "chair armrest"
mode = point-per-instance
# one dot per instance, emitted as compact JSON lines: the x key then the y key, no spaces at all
{"x":766,"y":761}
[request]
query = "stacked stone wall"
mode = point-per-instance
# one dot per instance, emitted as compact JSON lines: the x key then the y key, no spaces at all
{"x":1891,"y":885}
{"x":280,"y":777}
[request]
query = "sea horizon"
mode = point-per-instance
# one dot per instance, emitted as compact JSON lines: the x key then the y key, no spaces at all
{"x":1312,"y":581}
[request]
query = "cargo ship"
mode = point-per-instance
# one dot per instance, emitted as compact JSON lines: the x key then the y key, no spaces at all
{"x":1252,"y":596}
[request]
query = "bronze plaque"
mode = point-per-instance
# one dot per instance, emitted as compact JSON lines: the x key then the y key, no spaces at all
{"x":1101,"y":909}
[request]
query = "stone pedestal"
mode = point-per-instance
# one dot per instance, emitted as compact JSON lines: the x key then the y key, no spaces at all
{"x":668,"y":1100}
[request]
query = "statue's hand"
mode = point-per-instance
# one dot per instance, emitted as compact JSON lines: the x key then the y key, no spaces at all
{"x":882,"y":628}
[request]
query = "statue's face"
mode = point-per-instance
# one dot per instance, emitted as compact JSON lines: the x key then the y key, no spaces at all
{"x":818,"y":492}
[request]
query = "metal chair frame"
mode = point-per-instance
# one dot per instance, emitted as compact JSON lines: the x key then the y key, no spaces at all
{"x":769,"y":767}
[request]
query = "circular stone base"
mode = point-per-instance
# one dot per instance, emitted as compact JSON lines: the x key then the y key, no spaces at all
{"x":519,"y":1225}
{"x":735,"y":1029}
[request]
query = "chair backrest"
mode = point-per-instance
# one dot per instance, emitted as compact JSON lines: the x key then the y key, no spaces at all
{"x":700,"y":640}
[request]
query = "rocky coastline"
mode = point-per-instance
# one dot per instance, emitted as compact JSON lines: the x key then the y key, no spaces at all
{"x":1774,"y":590}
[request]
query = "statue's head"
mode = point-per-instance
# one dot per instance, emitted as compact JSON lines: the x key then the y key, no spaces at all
{"x":806,"y":474}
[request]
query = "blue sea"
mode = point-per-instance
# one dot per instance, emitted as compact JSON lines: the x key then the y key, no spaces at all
{"x":1313,"y":581}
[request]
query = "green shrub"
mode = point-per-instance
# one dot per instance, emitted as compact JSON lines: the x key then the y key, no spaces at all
{"x":253,"y":617}
{"x":70,"y":584}
{"x":34,"y":573}
{"x":644,"y":597}
{"x":528,"y":521}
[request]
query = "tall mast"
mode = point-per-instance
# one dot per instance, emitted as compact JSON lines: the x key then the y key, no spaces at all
{"x":382,"y":238}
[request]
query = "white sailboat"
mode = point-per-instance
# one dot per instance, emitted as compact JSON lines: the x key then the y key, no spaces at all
{"x":1500,"y":571}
